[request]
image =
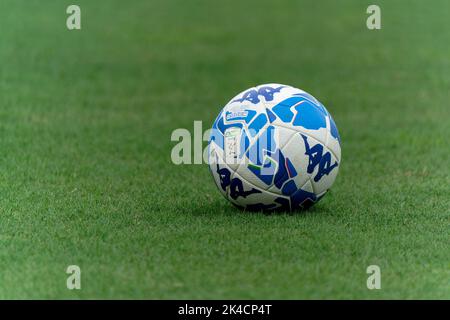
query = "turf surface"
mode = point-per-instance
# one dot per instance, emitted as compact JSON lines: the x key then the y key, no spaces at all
{"x":86,"y":176}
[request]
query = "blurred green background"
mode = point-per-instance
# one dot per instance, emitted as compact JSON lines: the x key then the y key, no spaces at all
{"x":86,"y":176}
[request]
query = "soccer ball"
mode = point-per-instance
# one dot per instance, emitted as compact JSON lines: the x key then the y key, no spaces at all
{"x":274,"y":147}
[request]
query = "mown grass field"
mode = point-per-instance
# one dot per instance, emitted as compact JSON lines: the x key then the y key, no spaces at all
{"x":86,"y":176}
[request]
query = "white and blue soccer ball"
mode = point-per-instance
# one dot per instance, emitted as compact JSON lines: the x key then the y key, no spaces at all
{"x":274,"y":147}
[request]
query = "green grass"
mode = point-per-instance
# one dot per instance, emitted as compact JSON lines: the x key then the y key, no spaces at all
{"x":86,"y":176}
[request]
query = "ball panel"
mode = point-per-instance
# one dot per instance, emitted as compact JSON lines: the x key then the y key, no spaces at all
{"x":216,"y":166}
{"x":254,"y":198}
{"x":261,"y":162}
{"x":294,"y":151}
{"x":322,"y":165}
{"x":301,"y":112}
{"x":333,"y":142}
